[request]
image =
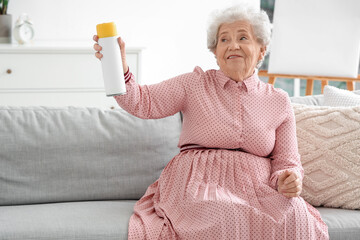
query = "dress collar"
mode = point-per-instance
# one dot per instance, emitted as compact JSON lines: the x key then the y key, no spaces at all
{"x":249,"y":82}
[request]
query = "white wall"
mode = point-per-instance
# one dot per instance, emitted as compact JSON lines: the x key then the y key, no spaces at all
{"x":173,"y":32}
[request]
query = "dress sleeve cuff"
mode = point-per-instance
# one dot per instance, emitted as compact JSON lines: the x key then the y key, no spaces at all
{"x":127,"y":75}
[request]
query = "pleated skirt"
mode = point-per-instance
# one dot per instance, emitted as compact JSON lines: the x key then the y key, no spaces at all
{"x":221,"y":194}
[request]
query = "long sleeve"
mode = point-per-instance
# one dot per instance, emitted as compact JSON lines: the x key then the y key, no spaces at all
{"x":285,"y":154}
{"x":155,"y":101}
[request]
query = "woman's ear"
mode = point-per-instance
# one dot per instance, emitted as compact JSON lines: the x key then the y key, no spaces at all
{"x":262,"y":53}
{"x":214,"y":52}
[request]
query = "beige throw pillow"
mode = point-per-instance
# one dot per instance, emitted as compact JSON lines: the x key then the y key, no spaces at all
{"x":329,"y":145}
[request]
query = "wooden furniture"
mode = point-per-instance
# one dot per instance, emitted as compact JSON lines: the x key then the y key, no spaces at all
{"x":350,"y":82}
{"x":56,"y":74}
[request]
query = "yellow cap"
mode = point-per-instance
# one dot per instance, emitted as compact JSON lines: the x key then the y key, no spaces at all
{"x":106,"y":30}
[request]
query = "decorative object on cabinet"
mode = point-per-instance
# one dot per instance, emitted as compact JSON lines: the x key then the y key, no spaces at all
{"x":24,"y":29}
{"x":5,"y":22}
{"x":56,"y":74}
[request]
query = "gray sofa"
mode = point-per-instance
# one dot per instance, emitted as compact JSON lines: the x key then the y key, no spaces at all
{"x":76,"y":173}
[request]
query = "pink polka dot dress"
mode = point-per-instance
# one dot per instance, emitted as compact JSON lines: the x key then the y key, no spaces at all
{"x":236,"y":139}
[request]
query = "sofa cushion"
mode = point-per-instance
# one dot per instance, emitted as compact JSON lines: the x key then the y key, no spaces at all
{"x":336,"y":97}
{"x":72,"y":221}
{"x":78,"y":154}
{"x":329,"y":145}
{"x":109,"y":220}
{"x":342,"y":223}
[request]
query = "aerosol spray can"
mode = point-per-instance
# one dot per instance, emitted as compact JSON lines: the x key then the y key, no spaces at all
{"x":111,"y":62}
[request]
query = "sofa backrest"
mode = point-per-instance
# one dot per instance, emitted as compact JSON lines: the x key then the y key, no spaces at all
{"x":75,"y":154}
{"x":316,"y":100}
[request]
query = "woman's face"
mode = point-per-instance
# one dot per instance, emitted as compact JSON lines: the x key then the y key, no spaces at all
{"x":237,"y":51}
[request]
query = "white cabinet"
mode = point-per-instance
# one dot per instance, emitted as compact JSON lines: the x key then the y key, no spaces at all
{"x":56,"y":74}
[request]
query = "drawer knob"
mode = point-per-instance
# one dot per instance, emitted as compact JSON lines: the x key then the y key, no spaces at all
{"x":8,"y":71}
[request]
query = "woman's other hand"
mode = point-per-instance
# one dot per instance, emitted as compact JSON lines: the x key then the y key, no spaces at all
{"x":289,"y":184}
{"x":98,"y":48}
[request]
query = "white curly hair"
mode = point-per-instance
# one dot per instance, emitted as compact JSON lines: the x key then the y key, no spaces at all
{"x":258,"y":19}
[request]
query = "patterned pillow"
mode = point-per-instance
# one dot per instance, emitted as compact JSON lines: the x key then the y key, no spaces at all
{"x":337,"y":97}
{"x":329,"y":145}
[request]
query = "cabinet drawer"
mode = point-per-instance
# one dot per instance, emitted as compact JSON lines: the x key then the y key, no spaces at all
{"x":54,"y":70}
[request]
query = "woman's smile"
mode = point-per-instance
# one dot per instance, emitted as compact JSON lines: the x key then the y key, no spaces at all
{"x":234,"y":56}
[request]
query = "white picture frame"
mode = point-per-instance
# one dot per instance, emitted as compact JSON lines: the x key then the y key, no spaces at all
{"x":316,"y":37}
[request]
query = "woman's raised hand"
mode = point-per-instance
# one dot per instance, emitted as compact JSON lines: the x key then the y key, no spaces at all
{"x":289,"y":184}
{"x":98,"y":48}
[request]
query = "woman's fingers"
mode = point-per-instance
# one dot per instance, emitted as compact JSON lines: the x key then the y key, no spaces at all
{"x":98,"y":55}
{"x":292,"y":177}
{"x":292,"y":184}
{"x":284,"y":176}
{"x":123,"y":54}
{"x":291,"y":190}
{"x":97,"y":47}
{"x":122,"y":47}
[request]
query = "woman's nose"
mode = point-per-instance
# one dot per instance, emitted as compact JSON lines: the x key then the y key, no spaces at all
{"x":234,"y":45}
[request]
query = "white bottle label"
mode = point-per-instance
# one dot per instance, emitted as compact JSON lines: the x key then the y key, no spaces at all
{"x":112,"y":67}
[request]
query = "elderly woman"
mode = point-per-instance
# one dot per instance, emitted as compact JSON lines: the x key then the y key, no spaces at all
{"x":238,"y":174}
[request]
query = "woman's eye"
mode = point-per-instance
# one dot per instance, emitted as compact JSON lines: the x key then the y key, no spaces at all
{"x":223,"y":40}
{"x":243,"y":38}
